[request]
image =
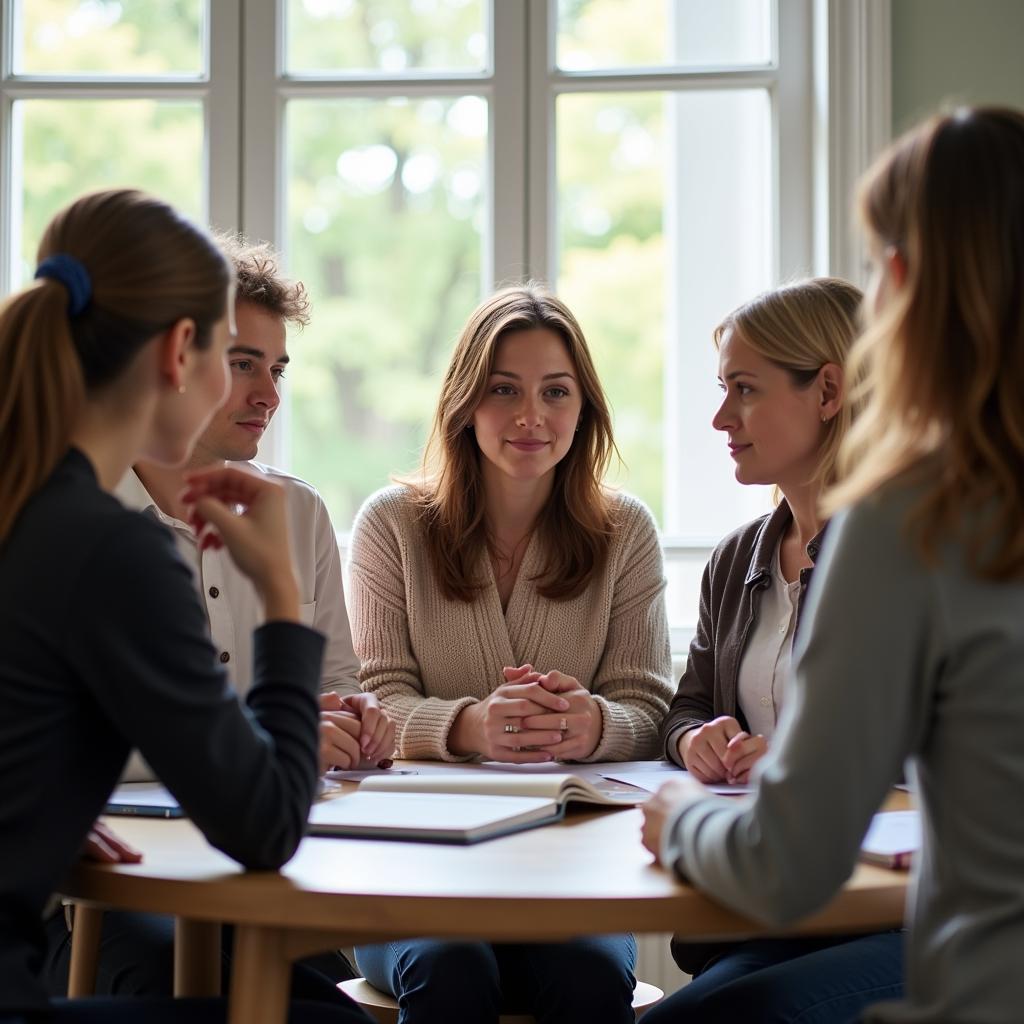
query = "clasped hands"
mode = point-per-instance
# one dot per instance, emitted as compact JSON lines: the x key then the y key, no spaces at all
{"x":353,"y":731}
{"x":721,"y":751}
{"x":531,"y":718}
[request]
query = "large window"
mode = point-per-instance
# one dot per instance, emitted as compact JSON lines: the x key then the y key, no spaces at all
{"x":650,"y":158}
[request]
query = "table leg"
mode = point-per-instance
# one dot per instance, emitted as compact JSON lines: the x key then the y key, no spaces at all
{"x":87,"y":924}
{"x":196,"y":958}
{"x":260,"y":976}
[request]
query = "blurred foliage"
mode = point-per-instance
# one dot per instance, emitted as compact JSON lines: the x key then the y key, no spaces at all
{"x":72,"y":146}
{"x":384,"y":216}
{"x":103,"y":37}
{"x":611,"y":34}
{"x":385,"y":35}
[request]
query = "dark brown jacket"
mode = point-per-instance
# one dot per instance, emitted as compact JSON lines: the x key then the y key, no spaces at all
{"x":739,"y":569}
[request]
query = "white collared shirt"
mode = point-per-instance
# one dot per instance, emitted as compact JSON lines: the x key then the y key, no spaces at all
{"x":764,"y":667}
{"x":234,"y":609}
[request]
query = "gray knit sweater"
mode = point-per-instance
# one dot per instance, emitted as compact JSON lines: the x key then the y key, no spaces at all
{"x":427,"y":657}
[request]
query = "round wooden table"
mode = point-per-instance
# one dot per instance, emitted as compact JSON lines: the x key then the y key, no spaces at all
{"x":586,"y":875}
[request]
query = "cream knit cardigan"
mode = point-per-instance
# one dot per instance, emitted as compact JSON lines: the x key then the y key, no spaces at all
{"x":427,"y":657}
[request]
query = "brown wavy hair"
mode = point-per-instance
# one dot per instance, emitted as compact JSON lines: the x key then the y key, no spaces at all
{"x":259,"y":280}
{"x":944,"y":359}
{"x":576,"y":524}
{"x":800,"y":327}
{"x":149,"y":268}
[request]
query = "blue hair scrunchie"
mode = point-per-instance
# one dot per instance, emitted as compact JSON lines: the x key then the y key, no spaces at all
{"x":72,"y":274}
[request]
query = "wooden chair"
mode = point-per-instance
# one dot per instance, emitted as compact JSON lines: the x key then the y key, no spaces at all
{"x":384,"y":1009}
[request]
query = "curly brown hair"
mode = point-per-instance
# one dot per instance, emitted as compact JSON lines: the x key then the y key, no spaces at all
{"x":260,"y":281}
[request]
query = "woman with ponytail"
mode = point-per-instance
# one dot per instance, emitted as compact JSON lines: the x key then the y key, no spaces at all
{"x":912,"y":640}
{"x":116,"y":352}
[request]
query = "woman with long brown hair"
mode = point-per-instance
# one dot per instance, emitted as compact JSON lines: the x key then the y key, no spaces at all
{"x":117,"y":351}
{"x":914,"y":630}
{"x":506,"y":605}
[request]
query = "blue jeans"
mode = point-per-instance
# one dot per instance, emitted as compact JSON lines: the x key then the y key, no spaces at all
{"x":791,"y":981}
{"x":578,"y":982}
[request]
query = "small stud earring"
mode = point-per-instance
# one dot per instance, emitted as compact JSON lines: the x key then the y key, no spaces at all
{"x":824,"y":419}
{"x":181,"y":389}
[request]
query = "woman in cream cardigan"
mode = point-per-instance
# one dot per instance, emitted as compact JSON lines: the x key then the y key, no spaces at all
{"x":506,"y":605}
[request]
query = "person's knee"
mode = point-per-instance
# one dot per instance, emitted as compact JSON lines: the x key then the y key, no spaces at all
{"x":592,"y":973}
{"x":446,"y":963}
{"x":445,"y":980}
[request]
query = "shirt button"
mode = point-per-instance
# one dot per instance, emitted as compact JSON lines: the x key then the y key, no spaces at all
{"x":782,"y":628}
{"x":224,"y":657}
{"x":214,"y":592}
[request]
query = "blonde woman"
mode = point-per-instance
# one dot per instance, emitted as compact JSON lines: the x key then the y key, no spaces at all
{"x":914,"y":630}
{"x":508,"y":606}
{"x":784,"y":415}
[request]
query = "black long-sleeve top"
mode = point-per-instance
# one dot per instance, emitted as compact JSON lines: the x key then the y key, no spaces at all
{"x":104,"y":646}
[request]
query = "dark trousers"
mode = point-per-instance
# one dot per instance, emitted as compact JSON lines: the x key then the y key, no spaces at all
{"x":176,"y":1011}
{"x":790,"y":981}
{"x":583,"y":981}
{"x":137,"y":959}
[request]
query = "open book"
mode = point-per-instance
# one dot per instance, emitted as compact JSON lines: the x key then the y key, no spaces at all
{"x":461,"y":807}
{"x":893,"y":839}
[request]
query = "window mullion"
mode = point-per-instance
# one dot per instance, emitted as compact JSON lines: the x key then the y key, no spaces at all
{"x":262,"y":120}
{"x":222,"y":115}
{"x":506,"y":252}
{"x":260,"y":180}
{"x":540,"y":145}
{"x":792,"y":103}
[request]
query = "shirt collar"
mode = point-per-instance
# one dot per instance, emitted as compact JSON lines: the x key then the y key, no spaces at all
{"x":132,"y":493}
{"x":768,"y":538}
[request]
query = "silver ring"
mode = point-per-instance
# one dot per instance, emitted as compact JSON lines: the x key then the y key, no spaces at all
{"x":563,"y":725}
{"x":509,"y":727}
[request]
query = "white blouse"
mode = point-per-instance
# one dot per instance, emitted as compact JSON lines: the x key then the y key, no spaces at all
{"x":764,"y":666}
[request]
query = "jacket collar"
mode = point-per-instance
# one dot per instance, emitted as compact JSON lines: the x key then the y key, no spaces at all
{"x":767,"y":540}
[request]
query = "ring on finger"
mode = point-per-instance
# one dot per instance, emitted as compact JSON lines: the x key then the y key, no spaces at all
{"x":509,"y":727}
{"x":563,"y":725}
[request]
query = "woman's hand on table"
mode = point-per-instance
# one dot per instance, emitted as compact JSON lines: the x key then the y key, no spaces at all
{"x":377,"y":731}
{"x":107,"y":847}
{"x":495,"y":726}
{"x":660,"y":806}
{"x":340,"y":731}
{"x":718,"y":751}
{"x":741,"y":754}
{"x":579,"y":729}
